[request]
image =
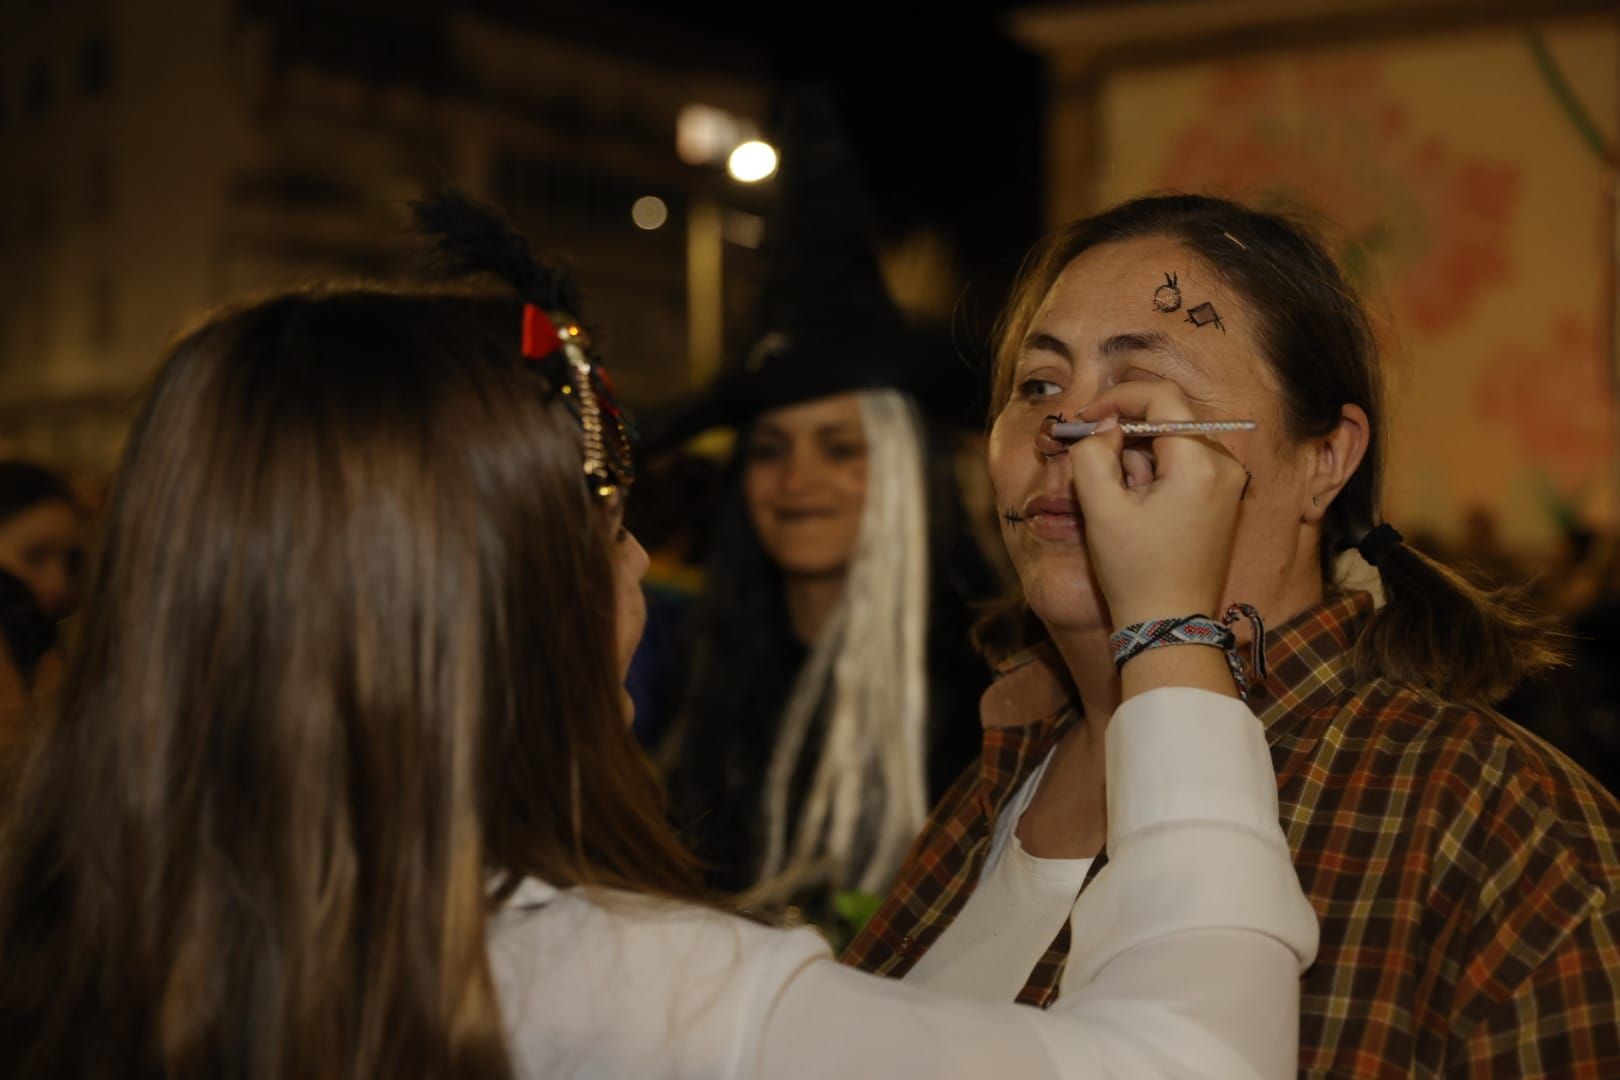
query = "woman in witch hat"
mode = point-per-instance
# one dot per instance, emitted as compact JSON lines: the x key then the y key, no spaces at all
{"x":833,"y":691}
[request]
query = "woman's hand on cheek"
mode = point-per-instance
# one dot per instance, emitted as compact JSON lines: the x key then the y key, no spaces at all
{"x":1159,"y":518}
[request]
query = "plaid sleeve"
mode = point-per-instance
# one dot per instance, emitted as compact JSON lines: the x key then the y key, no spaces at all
{"x":930,"y":881}
{"x":1538,"y":993}
{"x":1564,"y":1020}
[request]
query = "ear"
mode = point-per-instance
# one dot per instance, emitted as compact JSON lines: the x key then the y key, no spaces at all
{"x":1334,"y":459}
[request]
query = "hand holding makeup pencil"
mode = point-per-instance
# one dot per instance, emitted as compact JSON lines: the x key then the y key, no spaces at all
{"x":1159,"y":522}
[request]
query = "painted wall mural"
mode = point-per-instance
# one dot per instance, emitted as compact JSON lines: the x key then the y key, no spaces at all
{"x":1468,"y":211}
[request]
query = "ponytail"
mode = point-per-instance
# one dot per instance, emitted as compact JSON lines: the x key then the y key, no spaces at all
{"x":1440,"y":632}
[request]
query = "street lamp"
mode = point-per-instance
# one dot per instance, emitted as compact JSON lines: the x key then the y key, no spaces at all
{"x":752,"y":162}
{"x":713,"y":137}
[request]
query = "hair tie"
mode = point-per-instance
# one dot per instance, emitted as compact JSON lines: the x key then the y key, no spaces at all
{"x":1378,"y":541}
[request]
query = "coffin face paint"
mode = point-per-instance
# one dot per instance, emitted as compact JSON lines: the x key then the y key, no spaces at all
{"x":1206,"y":315}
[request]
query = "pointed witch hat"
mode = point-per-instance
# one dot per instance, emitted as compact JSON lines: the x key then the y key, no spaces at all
{"x":827,"y":324}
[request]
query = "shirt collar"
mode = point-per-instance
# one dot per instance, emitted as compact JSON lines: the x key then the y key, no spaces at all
{"x":1031,"y":686}
{"x":532,"y":893}
{"x":1310,"y":661}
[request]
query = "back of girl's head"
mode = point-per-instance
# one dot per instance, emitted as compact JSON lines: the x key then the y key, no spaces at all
{"x":348,"y":653}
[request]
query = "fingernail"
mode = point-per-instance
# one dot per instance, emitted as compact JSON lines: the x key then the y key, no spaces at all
{"x":1107,"y":423}
{"x":1072,"y":430}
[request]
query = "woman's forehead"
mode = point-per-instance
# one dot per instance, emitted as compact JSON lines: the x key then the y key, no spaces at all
{"x":836,"y":411}
{"x":1149,"y":276}
{"x":1150,"y":288}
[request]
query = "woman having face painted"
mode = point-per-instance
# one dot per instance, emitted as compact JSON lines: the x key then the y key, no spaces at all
{"x":343,"y":783}
{"x":1466,"y":874}
{"x":833,"y":688}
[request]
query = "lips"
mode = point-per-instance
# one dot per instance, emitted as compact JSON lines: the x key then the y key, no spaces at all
{"x":1053,"y":517}
{"x":796,"y":515}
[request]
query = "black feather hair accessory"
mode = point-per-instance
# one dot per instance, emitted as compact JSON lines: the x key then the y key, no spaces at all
{"x":470,"y":238}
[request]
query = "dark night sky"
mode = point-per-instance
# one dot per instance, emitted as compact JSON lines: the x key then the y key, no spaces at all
{"x":944,"y":112}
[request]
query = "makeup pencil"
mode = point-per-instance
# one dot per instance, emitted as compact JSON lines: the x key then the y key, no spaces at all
{"x":1074,"y":430}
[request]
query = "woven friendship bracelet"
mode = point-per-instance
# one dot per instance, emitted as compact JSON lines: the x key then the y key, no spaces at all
{"x":1132,"y":641}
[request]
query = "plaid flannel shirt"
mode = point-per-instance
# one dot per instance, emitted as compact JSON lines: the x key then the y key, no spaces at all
{"x":1466,"y":874}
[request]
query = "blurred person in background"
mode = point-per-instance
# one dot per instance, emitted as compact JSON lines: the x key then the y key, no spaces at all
{"x":41,"y":536}
{"x":41,"y":555}
{"x":342,"y":783}
{"x":1467,"y":874}
{"x":833,"y":685}
{"x":1577,"y":707}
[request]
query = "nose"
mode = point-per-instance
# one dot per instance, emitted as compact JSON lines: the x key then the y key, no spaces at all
{"x":799,"y":472}
{"x":1045,"y":444}
{"x":52,"y":584}
{"x":639,"y":559}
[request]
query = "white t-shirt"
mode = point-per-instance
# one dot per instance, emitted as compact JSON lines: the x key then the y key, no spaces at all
{"x":1017,"y":908}
{"x":600,"y":984}
{"x":1021,"y":901}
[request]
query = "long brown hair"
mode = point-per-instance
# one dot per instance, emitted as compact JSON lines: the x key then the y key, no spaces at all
{"x":346,"y":663}
{"x":1438,"y":631}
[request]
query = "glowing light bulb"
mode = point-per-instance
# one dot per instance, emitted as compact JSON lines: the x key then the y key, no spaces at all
{"x":752,"y":162}
{"x":649,"y":212}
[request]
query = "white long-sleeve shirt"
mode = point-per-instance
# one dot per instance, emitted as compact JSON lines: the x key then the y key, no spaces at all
{"x":1199,"y":883}
{"x":1017,"y":907}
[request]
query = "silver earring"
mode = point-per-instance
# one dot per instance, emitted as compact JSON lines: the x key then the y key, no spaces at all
{"x":1316,"y":500}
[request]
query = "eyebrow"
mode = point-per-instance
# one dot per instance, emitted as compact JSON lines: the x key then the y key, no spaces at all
{"x":840,"y":427}
{"x":769,"y":430}
{"x":1154,"y":341}
{"x":1116,"y":346}
{"x":1041,"y":341}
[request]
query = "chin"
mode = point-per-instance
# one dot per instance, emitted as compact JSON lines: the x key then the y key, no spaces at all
{"x":809,"y":564}
{"x":1063,"y":594}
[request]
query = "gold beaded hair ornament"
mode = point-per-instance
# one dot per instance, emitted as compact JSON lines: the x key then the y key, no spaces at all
{"x":471,"y":238}
{"x":550,"y":337}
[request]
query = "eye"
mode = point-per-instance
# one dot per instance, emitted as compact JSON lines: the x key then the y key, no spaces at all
{"x":763,"y":453}
{"x":1036,"y":389}
{"x":845,"y":451}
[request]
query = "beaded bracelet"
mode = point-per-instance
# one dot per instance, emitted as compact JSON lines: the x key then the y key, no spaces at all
{"x":1132,"y":641}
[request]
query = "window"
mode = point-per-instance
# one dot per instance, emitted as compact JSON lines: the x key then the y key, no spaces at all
{"x":98,"y":195}
{"x":103,"y":311}
{"x":95,"y":65}
{"x":41,"y":209}
{"x":37,"y":92}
